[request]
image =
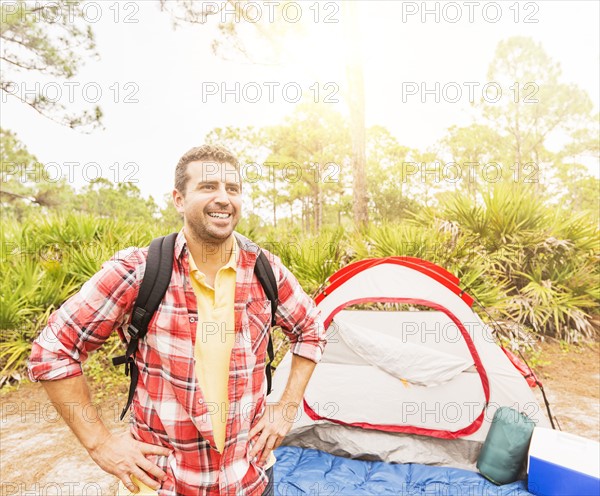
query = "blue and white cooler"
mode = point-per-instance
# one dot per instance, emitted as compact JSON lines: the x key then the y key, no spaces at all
{"x":562,"y":464}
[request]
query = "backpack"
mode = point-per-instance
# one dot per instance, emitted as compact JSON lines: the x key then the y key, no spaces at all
{"x":159,"y":266}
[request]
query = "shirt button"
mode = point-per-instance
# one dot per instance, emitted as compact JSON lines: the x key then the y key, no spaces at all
{"x":192,"y":319}
{"x":200,"y":401}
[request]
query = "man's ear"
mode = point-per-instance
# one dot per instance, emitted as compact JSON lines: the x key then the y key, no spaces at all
{"x":178,"y":201}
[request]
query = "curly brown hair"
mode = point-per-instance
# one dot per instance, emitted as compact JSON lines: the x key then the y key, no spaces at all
{"x":215,"y":153}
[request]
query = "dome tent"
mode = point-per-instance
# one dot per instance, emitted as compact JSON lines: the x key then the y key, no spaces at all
{"x":417,"y":386}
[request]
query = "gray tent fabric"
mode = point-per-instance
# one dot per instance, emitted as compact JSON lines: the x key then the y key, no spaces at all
{"x":414,"y":363}
{"x":354,"y":442}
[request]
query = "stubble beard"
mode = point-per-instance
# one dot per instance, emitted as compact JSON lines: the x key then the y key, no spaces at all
{"x":206,"y":235}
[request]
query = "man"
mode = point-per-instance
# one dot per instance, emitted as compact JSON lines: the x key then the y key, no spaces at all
{"x":200,"y":425}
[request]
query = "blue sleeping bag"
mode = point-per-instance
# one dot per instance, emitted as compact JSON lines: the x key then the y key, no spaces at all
{"x":301,"y":471}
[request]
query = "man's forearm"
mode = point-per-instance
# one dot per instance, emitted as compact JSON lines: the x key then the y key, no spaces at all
{"x":300,"y":372}
{"x":71,"y":397}
{"x":272,"y":427}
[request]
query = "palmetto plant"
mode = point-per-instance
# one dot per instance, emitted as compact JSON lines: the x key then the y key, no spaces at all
{"x":46,"y":259}
{"x":312,"y":259}
{"x":545,"y":257}
{"x":529,"y":263}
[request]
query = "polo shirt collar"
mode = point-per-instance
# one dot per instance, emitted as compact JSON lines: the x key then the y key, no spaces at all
{"x":231,"y":263}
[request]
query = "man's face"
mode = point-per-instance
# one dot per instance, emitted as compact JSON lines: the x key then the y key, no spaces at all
{"x":212,"y":203}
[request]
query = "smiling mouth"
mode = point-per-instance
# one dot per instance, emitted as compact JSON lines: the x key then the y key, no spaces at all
{"x":219,"y":215}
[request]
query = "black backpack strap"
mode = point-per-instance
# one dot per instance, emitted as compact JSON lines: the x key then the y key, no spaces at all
{"x":266,"y":277}
{"x":159,"y":266}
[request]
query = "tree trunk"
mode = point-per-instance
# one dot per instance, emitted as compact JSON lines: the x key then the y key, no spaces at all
{"x":305,"y":216}
{"x":274,"y":208}
{"x":318,"y":201}
{"x":518,"y":146}
{"x":356,"y":101}
{"x":318,"y":211}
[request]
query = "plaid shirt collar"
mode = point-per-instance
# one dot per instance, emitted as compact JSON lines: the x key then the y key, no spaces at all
{"x":247,"y":249}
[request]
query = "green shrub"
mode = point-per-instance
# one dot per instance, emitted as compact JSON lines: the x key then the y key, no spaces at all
{"x":530,"y":264}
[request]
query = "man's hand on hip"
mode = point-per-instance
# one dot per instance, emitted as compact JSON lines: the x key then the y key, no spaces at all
{"x":123,"y":456}
{"x":271,"y":428}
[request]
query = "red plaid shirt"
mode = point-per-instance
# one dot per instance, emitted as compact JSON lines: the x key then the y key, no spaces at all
{"x":168,"y":407}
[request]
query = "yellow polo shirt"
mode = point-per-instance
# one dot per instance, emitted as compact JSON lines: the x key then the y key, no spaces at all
{"x":215,"y":337}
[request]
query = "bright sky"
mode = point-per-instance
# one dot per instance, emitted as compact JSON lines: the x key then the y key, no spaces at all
{"x":170,"y":74}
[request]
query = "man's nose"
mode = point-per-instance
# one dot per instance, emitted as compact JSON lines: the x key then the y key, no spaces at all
{"x":221,"y":195}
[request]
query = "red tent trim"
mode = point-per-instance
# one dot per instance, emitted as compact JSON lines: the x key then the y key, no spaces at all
{"x":430,"y":269}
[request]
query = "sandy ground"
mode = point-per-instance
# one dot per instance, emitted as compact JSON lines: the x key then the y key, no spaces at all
{"x":571,"y":380}
{"x":40,"y":456}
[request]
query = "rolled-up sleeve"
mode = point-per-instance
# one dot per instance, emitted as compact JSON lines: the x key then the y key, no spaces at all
{"x":298,"y":316}
{"x":86,"y":320}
